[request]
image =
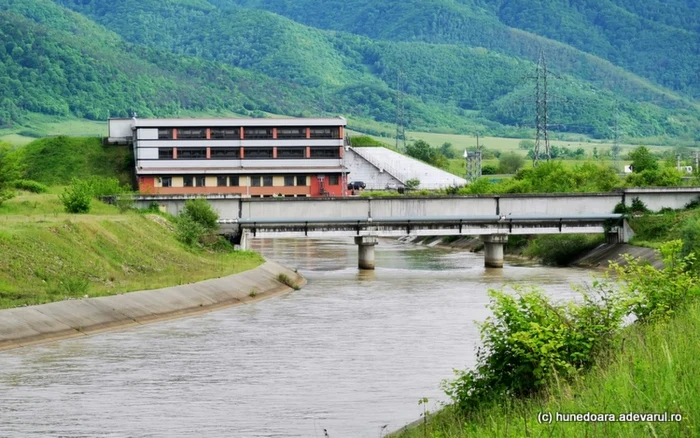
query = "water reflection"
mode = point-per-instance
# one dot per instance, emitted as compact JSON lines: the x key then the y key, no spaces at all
{"x":350,"y":352}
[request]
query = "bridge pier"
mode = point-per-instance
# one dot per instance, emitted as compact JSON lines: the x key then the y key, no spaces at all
{"x":493,"y":249}
{"x":365,"y":246}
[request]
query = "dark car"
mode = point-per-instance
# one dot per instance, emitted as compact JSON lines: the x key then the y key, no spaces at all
{"x":356,"y":185}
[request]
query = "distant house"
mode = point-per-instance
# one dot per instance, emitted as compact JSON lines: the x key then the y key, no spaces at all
{"x":250,"y":157}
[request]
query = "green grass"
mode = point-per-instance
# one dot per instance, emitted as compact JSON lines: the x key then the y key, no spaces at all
{"x":47,"y":255}
{"x":55,"y":160}
{"x":656,"y":370}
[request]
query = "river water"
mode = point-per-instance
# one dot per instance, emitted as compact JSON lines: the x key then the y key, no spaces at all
{"x":350,"y":353}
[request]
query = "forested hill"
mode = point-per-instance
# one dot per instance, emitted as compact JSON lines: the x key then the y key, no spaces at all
{"x":461,"y":67}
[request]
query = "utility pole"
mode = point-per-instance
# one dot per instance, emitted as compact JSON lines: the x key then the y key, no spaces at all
{"x":400,"y":122}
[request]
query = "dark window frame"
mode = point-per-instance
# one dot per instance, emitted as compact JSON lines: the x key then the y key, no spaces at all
{"x":325,"y":153}
{"x":226,"y":153}
{"x":166,"y":181}
{"x":188,"y":181}
{"x":257,"y":133}
{"x":166,"y":153}
{"x":237,"y":180}
{"x":192,"y":133}
{"x":333,"y":180}
{"x":268,"y":181}
{"x":165,"y":133}
{"x":325,"y":132}
{"x":200,"y":181}
{"x":255,"y":181}
{"x":289,"y":179}
{"x":294,"y":153}
{"x":299,"y":134}
{"x":301,"y":178}
{"x":182,"y":153}
{"x":220,"y":179}
{"x":264,"y":153}
{"x":225,"y":133}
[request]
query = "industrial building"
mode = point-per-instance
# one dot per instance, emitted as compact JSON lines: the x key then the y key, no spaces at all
{"x":294,"y":157}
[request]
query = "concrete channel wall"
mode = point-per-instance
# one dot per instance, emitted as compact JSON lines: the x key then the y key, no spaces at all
{"x":66,"y":319}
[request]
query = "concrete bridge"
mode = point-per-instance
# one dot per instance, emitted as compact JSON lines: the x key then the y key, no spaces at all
{"x":493,"y":217}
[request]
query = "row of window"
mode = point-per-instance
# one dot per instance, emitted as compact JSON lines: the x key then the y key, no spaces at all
{"x":234,"y":181}
{"x":250,"y":153}
{"x":248,"y":133}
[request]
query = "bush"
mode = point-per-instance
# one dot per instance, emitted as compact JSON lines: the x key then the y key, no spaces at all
{"x":530,"y":341}
{"x":655,"y":294}
{"x":489,"y":169}
{"x":638,"y":206}
{"x":510,"y":162}
{"x":412,"y":184}
{"x":189,"y":231}
{"x":30,"y":186}
{"x":201,"y":212}
{"x":78,"y":197}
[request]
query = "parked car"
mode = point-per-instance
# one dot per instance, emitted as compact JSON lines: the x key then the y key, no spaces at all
{"x":356,"y":185}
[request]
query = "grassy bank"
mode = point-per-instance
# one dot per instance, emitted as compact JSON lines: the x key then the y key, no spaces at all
{"x":47,"y":255}
{"x":657,"y":370}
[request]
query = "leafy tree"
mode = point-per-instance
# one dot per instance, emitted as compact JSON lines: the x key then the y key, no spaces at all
{"x":78,"y":197}
{"x":10,"y":171}
{"x":526,"y":145}
{"x":643,"y":159}
{"x":446,"y":150}
{"x":510,"y":162}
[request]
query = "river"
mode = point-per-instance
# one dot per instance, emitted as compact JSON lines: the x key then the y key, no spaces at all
{"x":350,"y":353}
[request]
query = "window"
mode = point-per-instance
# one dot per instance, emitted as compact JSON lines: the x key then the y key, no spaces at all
{"x":166,"y":181}
{"x":288,"y":196}
{"x":234,"y":181}
{"x":165,"y":153}
{"x":190,"y":133}
{"x":291,"y":153}
{"x":201,"y":181}
{"x":165,"y":134}
{"x":255,"y":181}
{"x":192,"y":153}
{"x":258,"y":153}
{"x":267,"y":196}
{"x":325,"y":152}
{"x":289,"y":180}
{"x":330,"y":132}
{"x":332,"y":180}
{"x":291,"y":132}
{"x":257,"y":133}
{"x":226,"y":133}
{"x":221,"y":181}
{"x":187,"y":181}
{"x":225,"y":153}
{"x":267,"y":180}
{"x":301,"y":180}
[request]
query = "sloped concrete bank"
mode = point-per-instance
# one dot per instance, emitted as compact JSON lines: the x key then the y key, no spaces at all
{"x":599,"y":257}
{"x":66,"y":319}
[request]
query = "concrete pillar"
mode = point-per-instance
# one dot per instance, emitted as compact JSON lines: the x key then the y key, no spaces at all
{"x":366,"y":245}
{"x":493,"y":250}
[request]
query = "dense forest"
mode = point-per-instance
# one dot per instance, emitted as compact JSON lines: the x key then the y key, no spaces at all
{"x":461,"y":66}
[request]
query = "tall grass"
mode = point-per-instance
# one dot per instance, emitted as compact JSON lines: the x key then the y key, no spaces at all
{"x":657,"y":370}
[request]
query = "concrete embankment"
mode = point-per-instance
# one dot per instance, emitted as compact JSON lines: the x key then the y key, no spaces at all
{"x":599,"y":257}
{"x":66,"y":319}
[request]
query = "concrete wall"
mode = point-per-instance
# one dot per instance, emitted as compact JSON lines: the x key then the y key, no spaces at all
{"x":65,"y":319}
{"x":559,"y":205}
{"x":361,"y":170}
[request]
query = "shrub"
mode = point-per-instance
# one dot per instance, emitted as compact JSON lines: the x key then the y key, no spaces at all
{"x":489,"y":169}
{"x":530,"y":340}
{"x":412,"y":184}
{"x":77,"y":198}
{"x":655,"y":294}
{"x":30,"y":186}
{"x":188,"y":231}
{"x":201,"y":212}
{"x":284,"y":279}
{"x":510,"y":162}
{"x":638,"y":206}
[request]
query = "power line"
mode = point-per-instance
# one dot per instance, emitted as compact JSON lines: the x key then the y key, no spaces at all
{"x":541,"y":118}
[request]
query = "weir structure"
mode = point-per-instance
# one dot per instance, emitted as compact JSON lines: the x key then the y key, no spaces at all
{"x":490,"y":217}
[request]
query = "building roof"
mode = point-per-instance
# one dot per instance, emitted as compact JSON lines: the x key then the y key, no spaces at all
{"x":405,"y":168}
{"x":223,"y":122}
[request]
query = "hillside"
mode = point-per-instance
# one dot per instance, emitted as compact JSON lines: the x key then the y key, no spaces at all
{"x":230,"y":57}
